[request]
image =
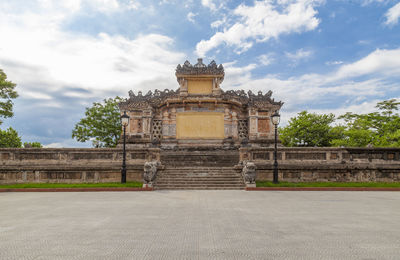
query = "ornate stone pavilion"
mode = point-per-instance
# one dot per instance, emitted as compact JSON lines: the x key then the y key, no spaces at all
{"x":199,"y":113}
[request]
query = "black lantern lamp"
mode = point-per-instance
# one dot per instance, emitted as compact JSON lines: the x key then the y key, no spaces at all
{"x":125,"y":123}
{"x":275,"y":120}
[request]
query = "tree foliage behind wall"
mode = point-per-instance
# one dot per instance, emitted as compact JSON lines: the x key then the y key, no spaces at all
{"x":309,"y":129}
{"x":379,"y":129}
{"x":7,"y":93}
{"x":9,"y":139}
{"x":101,"y":124}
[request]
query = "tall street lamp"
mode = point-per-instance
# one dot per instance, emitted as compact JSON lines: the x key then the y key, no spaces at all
{"x":125,"y":123}
{"x":275,"y":120}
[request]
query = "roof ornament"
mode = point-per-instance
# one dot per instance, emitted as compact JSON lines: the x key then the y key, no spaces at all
{"x":200,"y":69}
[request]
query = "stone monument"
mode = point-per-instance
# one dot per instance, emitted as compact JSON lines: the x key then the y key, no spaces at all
{"x":199,"y":113}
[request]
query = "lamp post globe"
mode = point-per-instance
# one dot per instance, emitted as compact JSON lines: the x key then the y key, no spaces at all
{"x":125,"y":123}
{"x":275,"y":118}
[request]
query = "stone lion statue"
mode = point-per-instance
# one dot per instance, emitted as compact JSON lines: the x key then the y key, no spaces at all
{"x":150,"y":171}
{"x":249,"y":172}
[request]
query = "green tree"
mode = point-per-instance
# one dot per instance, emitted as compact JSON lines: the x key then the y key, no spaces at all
{"x":9,"y":139}
{"x":310,"y":129}
{"x":101,"y":124}
{"x":32,"y":145}
{"x":381,"y":129}
{"x":7,"y":93}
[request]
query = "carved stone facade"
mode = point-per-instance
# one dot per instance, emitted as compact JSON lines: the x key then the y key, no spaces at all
{"x":199,"y":112}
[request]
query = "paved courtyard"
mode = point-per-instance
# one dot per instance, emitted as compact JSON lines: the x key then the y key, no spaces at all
{"x":200,"y":225}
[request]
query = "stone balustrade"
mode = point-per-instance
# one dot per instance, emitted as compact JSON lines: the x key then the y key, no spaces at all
{"x":72,"y":165}
{"x":326,"y":164}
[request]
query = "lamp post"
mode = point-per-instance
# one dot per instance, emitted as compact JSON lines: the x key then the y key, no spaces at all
{"x":125,"y":123}
{"x":275,"y":120}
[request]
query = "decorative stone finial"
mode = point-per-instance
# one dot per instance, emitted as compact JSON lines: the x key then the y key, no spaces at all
{"x":200,"y":69}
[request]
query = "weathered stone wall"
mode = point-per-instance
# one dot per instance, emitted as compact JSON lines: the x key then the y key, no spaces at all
{"x":327,"y":164}
{"x":72,"y":165}
{"x":104,"y":165}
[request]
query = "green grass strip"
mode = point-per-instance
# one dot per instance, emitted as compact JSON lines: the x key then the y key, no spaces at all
{"x":330,"y":184}
{"x":71,"y":185}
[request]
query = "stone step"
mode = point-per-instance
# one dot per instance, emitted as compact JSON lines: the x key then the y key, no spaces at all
{"x":199,"y":178}
{"x":191,"y":175}
{"x":199,"y":188}
{"x":199,"y":182}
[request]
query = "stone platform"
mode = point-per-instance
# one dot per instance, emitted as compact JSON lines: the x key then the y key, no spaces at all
{"x":104,"y":165}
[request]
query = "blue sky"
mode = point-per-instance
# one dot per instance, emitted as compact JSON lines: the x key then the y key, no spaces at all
{"x":325,"y":56}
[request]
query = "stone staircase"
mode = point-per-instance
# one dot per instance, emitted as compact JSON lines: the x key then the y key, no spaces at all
{"x":199,"y":170}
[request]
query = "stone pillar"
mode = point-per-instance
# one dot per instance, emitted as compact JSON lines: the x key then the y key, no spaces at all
{"x":227,"y":123}
{"x":147,"y":116}
{"x":235,"y":130}
{"x":172,"y":126}
{"x":252,"y":124}
{"x":165,"y":124}
{"x":216,"y":90}
{"x":183,"y":90}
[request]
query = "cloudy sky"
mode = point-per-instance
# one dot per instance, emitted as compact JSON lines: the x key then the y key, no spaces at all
{"x":316,"y":55}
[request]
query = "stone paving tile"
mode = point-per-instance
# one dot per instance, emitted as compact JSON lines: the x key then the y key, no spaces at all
{"x":200,"y":225}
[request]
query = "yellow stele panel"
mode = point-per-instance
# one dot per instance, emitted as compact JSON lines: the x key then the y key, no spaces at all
{"x":199,"y":86}
{"x":200,"y":125}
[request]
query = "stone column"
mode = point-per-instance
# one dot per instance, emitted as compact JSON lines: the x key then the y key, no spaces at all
{"x":227,"y":123}
{"x":235,"y":130}
{"x":183,"y":90}
{"x":147,"y":116}
{"x":252,"y":124}
{"x":215,"y":87}
{"x":165,"y":123}
{"x":172,"y":126}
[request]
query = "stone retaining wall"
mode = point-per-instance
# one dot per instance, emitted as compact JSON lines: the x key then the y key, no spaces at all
{"x":69,"y":165}
{"x":72,"y":165}
{"x":327,"y":164}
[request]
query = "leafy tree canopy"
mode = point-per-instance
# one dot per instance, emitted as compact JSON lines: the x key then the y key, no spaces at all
{"x":380,"y":129}
{"x":9,"y":139}
{"x":7,"y":93}
{"x":101,"y":124}
{"x":32,"y":145}
{"x":309,"y":129}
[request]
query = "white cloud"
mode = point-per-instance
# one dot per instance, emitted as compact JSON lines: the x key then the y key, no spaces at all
{"x":265,"y":59}
{"x":311,"y":91}
{"x":261,"y":22}
{"x":383,"y":62}
{"x":190,"y":16}
{"x":392,"y":15}
{"x":218,"y":23}
{"x":208,"y":4}
{"x":367,"y":2}
{"x":300,"y":54}
{"x":335,"y":62}
{"x":237,"y":76}
{"x":37,"y":52}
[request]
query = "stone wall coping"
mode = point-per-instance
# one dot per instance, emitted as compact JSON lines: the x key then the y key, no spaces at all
{"x":284,"y":149}
{"x":76,"y":149}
